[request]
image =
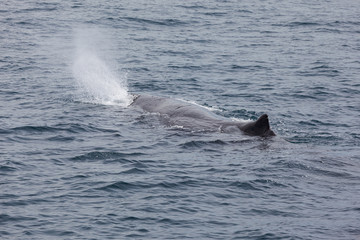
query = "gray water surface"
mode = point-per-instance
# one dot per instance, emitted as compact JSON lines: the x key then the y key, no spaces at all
{"x":77,"y":163}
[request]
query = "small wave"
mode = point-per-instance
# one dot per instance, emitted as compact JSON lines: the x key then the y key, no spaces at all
{"x":59,"y":233}
{"x":120,"y":185}
{"x":315,"y":122}
{"x":38,"y":9}
{"x":304,"y":24}
{"x":134,"y":170}
{"x":166,"y":22}
{"x":310,"y":169}
{"x":257,"y":234}
{"x":61,"y":138}
{"x":5,"y":169}
{"x":319,"y":71}
{"x":180,"y":184}
{"x":330,"y":173}
{"x":125,"y":186}
{"x":272,"y":212}
{"x":58,"y":128}
{"x":318,"y":138}
{"x":24,"y":202}
{"x":245,"y":186}
{"x":268,"y":183}
{"x":109,"y":156}
{"x":7,"y":218}
{"x":200,"y":144}
{"x":79,"y":128}
{"x":192,"y":6}
{"x":186,"y":67}
{"x":216,"y":14}
{"x":35,"y":129}
{"x":250,"y":67}
{"x":342,"y":23}
{"x":298,"y":24}
{"x":27,"y":23}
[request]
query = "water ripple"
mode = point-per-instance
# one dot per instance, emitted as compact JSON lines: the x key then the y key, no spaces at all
{"x":80,"y":165}
{"x":108,"y":156}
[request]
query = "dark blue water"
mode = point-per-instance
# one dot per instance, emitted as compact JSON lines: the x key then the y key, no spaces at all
{"x":77,"y":163}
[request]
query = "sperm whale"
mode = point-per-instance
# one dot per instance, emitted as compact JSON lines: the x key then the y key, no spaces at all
{"x":180,"y":113}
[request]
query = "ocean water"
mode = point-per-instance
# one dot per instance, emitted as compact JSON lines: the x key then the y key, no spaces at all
{"x":76,"y":162}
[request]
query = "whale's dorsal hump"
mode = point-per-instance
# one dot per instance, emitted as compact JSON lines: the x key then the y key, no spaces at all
{"x":260,"y":127}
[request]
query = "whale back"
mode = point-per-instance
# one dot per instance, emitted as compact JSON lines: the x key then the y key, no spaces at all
{"x":184,"y":114}
{"x":173,"y":108}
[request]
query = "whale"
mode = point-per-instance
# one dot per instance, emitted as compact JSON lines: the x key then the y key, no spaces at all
{"x":186,"y":115}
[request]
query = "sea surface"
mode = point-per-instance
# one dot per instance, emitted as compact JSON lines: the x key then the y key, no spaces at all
{"x":77,"y":162}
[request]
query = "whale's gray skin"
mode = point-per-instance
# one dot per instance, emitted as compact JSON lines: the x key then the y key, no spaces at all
{"x":188,"y":115}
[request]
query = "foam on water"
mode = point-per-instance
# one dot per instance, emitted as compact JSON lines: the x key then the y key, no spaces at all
{"x":97,"y":82}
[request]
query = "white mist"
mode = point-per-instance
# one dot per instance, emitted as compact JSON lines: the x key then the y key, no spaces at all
{"x":97,"y":82}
